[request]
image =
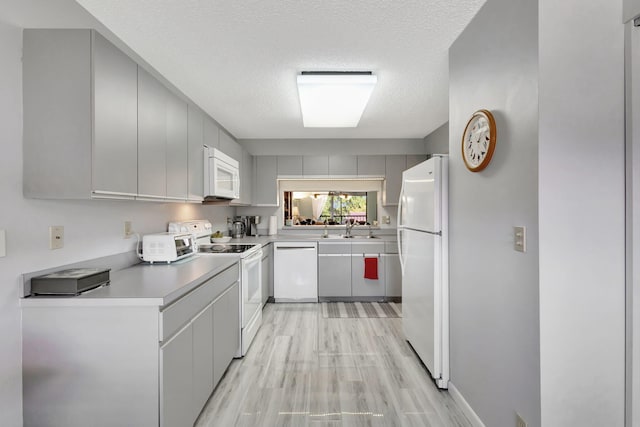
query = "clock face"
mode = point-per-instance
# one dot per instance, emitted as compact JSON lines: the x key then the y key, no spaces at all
{"x":479,"y":140}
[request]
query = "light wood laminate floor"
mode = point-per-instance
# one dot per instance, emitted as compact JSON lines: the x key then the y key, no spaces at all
{"x":306,"y":370}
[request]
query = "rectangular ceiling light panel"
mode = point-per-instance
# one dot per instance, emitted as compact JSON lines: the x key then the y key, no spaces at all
{"x":334,"y":100}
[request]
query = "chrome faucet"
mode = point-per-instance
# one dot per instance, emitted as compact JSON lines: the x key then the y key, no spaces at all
{"x":349,"y":227}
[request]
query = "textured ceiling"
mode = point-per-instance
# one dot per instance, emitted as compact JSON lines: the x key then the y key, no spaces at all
{"x":238,"y":59}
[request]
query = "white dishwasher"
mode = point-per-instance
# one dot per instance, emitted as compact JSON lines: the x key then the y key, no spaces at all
{"x":295,"y":272}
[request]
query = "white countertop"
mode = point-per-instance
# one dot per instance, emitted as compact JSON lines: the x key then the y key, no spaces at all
{"x":290,"y":237}
{"x":144,"y":284}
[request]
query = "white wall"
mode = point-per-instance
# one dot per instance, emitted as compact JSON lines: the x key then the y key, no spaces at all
{"x":494,"y":289}
{"x":92,"y":228}
{"x":279,"y":147}
{"x":581,"y":212}
{"x":437,"y":142}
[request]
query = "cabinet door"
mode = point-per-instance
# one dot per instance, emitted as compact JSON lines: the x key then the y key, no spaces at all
{"x":361,"y":287}
{"x":394,"y":166}
{"x":266,"y":181}
{"x":176,"y":380}
{"x":152,"y":96}
{"x":226,"y":330}
{"x":177,"y":147}
{"x":290,"y":165}
{"x":371,"y":165}
{"x":315,"y":165}
{"x":211,"y":133}
{"x":196,"y":153}
{"x":343,"y":165}
{"x":202,"y":359}
{"x":230,"y":147}
{"x":266,"y":272}
{"x":246,"y":179}
{"x":393,"y":275}
{"x":414,"y":159}
{"x":334,"y":275}
{"x":115,"y":97}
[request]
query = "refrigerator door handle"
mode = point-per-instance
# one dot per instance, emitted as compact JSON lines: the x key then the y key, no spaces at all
{"x":400,"y":251}
{"x":400,"y":204}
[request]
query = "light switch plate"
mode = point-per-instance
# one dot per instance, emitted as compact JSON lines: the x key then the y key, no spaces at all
{"x":520,"y":239}
{"x":56,"y":237}
{"x":128,"y":229}
{"x":3,"y":243}
{"x":520,"y":422}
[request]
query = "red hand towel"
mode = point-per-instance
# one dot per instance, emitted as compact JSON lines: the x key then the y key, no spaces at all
{"x":371,"y":268}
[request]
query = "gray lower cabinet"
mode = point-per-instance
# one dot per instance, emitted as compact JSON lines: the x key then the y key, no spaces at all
{"x":176,"y":380}
{"x":265,"y":178}
{"x":203,"y":345}
{"x":393,"y":275}
{"x":226,"y":331}
{"x":334,"y":275}
{"x":266,"y":272}
{"x":132,"y":364}
{"x":361,"y":287}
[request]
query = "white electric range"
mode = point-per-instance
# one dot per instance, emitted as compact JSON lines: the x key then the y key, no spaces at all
{"x":250,"y":258}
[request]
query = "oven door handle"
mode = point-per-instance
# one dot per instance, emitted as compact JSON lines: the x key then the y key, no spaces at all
{"x":253,"y":257}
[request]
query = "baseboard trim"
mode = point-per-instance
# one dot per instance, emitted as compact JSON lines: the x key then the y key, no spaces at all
{"x":464,"y":406}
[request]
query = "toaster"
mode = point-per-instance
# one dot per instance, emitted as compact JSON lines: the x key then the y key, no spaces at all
{"x":167,"y":247}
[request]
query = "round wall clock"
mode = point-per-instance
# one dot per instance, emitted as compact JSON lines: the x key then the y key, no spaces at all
{"x":479,"y":140}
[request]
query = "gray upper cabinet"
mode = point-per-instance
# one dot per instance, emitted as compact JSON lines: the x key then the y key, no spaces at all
{"x":289,"y":165}
{"x":177,"y":148}
{"x":394,"y":167}
{"x":371,"y":165}
{"x":246,"y":178}
{"x":315,"y":165}
{"x":68,"y":152}
{"x":414,"y":159}
{"x":196,"y":154}
{"x":230,"y":147}
{"x":265,"y":189}
{"x":211,"y":133}
{"x":152,"y":146}
{"x":115,"y":126}
{"x":340,"y":165}
{"x":96,"y":125}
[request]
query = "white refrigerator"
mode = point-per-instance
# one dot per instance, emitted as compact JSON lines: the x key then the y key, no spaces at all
{"x":423,"y":249}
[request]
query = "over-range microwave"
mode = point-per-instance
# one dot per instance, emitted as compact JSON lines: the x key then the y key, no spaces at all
{"x":221,"y":175}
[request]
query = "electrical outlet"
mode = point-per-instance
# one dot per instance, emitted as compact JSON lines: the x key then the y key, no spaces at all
{"x":3,"y":243}
{"x":128,"y":229}
{"x":56,"y":237}
{"x":520,"y":422}
{"x":386,"y":219}
{"x":520,"y":239}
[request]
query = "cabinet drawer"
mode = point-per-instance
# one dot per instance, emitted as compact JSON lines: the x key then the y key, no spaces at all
{"x":334,"y":247}
{"x":367,"y":248}
{"x":176,"y":315}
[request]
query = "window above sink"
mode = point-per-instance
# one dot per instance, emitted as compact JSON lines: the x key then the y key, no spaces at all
{"x":330,"y":203}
